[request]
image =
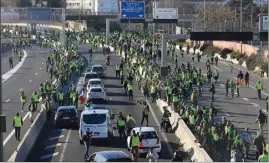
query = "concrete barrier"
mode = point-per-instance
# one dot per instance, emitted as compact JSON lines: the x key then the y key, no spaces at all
{"x":185,"y":135}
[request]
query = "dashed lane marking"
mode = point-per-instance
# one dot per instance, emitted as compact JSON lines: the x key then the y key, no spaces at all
{"x":245,"y":99}
{"x":8,"y":100}
{"x":5,"y":60}
{"x":110,"y":99}
{"x":255,"y":104}
{"x":65,"y":145}
{"x":40,"y":68}
{"x":222,"y":85}
{"x":21,"y":89}
{"x":56,"y":137}
{"x":30,"y":81}
{"x":35,"y":73}
{"x":53,"y":146}
{"x":13,"y":131}
{"x":227,"y":114}
{"x":43,"y":63}
{"x":49,"y":156}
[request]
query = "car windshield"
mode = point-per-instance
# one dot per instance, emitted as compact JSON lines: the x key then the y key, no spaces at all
{"x":96,"y":82}
{"x":94,"y":118}
{"x":149,"y":135}
{"x":97,"y":69}
{"x":66,"y":112}
{"x":96,"y":90}
{"x":91,"y":76}
{"x":120,"y":160}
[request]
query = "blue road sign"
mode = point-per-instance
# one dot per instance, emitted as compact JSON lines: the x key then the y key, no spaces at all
{"x":132,"y":10}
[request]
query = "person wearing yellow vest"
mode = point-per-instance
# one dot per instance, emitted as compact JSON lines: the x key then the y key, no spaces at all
{"x":134,"y":145}
{"x":130,"y":124}
{"x":263,"y":157}
{"x":61,"y":98}
{"x":35,"y":96}
{"x":259,"y":88}
{"x":153,"y":92}
{"x":17,"y":124}
{"x":130,"y":90}
{"x":22,"y":100}
{"x":121,"y":126}
{"x":175,"y":101}
{"x":169,"y":94}
{"x":117,"y":69}
{"x":231,"y":136}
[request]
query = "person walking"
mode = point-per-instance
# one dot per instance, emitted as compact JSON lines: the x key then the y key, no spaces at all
{"x":87,"y":142}
{"x":10,"y":62}
{"x":23,"y":101}
{"x":134,"y":142}
{"x":259,"y":88}
{"x":17,"y":124}
{"x":262,"y":120}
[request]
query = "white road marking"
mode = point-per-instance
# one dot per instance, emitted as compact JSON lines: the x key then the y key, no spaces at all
{"x":53,"y":146}
{"x":264,"y":110}
{"x":40,"y":68}
{"x":56,"y":137}
{"x":158,"y":124}
{"x":5,"y":60}
{"x":245,"y":99}
{"x":227,"y":114}
{"x":222,"y":85}
{"x":30,"y":81}
{"x":49,"y":156}
{"x":110,"y":98}
{"x":255,"y":104}
{"x":8,"y":100}
{"x":13,"y":131}
{"x":43,"y":63}
{"x":217,"y":68}
{"x":21,"y":89}
{"x":65,"y":145}
{"x":8,"y":74}
{"x":35,"y":73}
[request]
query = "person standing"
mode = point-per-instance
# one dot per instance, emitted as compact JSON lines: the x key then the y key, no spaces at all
{"x":134,"y":142}
{"x":145,"y":112}
{"x":10,"y":62}
{"x":259,"y":88}
{"x":262,"y":119}
{"x":121,"y":126}
{"x":17,"y":124}
{"x":87,"y":142}
{"x":130,"y":90}
{"x":247,"y":79}
{"x":22,"y":100}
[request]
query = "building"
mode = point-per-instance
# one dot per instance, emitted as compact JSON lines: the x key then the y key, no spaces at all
{"x":106,"y":6}
{"x":260,"y":2}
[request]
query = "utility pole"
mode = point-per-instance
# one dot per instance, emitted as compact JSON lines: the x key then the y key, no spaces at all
{"x":241,"y":22}
{"x":204,"y":16}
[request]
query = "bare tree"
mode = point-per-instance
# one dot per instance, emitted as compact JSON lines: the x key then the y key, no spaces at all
{"x":9,"y":3}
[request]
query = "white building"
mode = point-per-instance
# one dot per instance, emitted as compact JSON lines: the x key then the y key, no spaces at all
{"x":94,"y":6}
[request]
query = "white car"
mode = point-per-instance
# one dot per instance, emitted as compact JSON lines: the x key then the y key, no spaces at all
{"x":89,"y":75}
{"x":95,"y":83}
{"x":98,"y":122}
{"x":149,"y":139}
{"x":96,"y":93}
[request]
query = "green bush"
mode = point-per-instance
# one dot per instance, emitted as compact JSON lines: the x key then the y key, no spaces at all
{"x":254,"y":61}
{"x":241,"y":60}
{"x":237,"y":55}
{"x":224,"y":52}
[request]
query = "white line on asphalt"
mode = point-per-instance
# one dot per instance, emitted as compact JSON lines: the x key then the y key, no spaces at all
{"x":255,"y":104}
{"x":43,"y":63}
{"x":56,"y":137}
{"x":5,"y":60}
{"x":13,"y":131}
{"x":35,"y":73}
{"x":222,"y":85}
{"x":227,"y":114}
{"x":40,"y":68}
{"x":264,"y":110}
{"x":217,"y":68}
{"x":53,"y":146}
{"x":49,"y":156}
{"x":15,"y":69}
{"x":30,"y":81}
{"x":65,"y":145}
{"x":110,"y":98}
{"x":245,"y":99}
{"x":158,"y":124}
{"x":8,"y":100}
{"x":21,"y":89}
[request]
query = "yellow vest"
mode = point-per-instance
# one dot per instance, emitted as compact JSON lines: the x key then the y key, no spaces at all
{"x":152,"y":90}
{"x":35,"y":97}
{"x":61,"y":96}
{"x":135,"y":141}
{"x":121,"y":122}
{"x":259,"y":85}
{"x":132,"y":118}
{"x":17,"y":121}
{"x":22,"y":100}
{"x":263,"y":158}
{"x":129,"y":87}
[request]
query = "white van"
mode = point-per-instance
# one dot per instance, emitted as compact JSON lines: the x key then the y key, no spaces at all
{"x":99,"y":122}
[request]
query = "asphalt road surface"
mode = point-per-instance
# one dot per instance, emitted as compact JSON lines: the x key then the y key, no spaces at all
{"x":63,"y":144}
{"x":27,"y":78}
{"x":242,"y":111}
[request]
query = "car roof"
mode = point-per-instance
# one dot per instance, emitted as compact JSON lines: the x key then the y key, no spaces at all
{"x":95,"y":79}
{"x":95,"y":111}
{"x":66,"y":107}
{"x":113,"y":154}
{"x":97,"y":65}
{"x":144,"y":129}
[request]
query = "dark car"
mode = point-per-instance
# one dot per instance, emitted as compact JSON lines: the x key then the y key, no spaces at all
{"x":110,"y":156}
{"x":66,"y":116}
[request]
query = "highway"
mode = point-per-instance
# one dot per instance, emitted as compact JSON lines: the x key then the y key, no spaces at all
{"x":63,"y":144}
{"x":26,"y":76}
{"x":242,"y":111}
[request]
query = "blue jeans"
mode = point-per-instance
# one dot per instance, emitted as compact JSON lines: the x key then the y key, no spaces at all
{"x":86,"y":155}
